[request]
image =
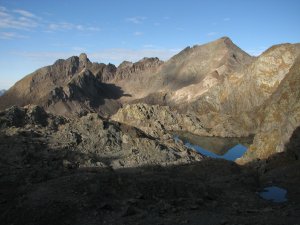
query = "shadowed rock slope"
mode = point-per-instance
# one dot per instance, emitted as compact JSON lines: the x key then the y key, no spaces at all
{"x":92,"y":140}
{"x":57,"y":170}
{"x":68,"y":87}
{"x":76,"y":86}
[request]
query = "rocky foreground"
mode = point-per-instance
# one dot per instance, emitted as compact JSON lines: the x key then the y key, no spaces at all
{"x":89,"y":170}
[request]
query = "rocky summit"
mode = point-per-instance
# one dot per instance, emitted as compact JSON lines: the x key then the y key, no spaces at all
{"x":93,"y":143}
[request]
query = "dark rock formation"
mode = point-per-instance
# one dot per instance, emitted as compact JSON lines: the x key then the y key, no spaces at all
{"x":92,"y":171}
{"x":125,"y":145}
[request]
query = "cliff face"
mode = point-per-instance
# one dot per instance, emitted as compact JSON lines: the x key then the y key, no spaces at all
{"x":137,"y":79}
{"x":279,"y":117}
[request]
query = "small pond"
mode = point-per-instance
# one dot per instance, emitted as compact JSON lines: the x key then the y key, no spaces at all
{"x":215,"y":147}
{"x":274,"y":194}
{"x":229,"y":149}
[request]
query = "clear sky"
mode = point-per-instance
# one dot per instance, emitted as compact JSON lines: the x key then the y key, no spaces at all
{"x":34,"y":33}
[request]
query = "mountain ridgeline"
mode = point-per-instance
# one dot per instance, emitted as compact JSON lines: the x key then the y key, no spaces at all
{"x":215,"y":89}
{"x":92,"y":143}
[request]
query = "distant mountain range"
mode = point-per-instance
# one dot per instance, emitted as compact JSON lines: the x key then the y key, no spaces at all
{"x":215,"y":89}
{"x":76,"y":84}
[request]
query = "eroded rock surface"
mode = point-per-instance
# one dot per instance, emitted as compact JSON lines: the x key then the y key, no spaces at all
{"x":90,"y":140}
{"x":158,"y":120}
{"x":280,"y":117}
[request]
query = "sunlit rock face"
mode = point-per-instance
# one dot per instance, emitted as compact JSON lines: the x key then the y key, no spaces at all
{"x":158,"y":120}
{"x":242,"y":91}
{"x":281,"y":117}
{"x":238,"y":99}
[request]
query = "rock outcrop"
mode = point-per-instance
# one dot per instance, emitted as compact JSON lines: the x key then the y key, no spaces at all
{"x":158,"y":120}
{"x":90,"y":140}
{"x":279,"y":117}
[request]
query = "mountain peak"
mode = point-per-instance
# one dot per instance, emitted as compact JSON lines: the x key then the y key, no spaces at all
{"x":83,"y":59}
{"x":125,"y":64}
{"x":225,"y":38}
{"x":227,"y":41}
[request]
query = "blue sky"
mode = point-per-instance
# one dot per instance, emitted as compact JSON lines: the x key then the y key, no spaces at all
{"x":34,"y":33}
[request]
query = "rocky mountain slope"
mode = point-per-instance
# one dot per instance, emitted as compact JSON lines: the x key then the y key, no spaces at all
{"x":196,"y":68}
{"x":280,"y":116}
{"x":67,"y":87}
{"x":231,"y":107}
{"x":215,"y":89}
{"x":76,"y":86}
